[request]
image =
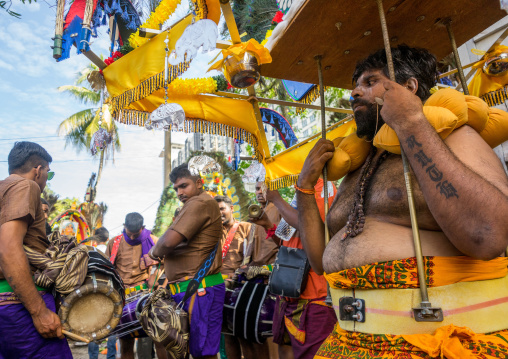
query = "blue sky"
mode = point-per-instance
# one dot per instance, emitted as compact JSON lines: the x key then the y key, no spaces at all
{"x":32,"y":109}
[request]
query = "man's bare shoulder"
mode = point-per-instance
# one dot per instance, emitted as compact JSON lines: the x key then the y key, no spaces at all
{"x":468,"y":146}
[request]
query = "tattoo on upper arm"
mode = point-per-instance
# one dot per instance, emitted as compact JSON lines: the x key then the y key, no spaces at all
{"x":445,"y":188}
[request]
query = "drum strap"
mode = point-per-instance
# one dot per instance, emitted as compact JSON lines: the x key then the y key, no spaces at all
{"x":229,"y":239}
{"x":114,"y":250}
{"x":200,"y":274}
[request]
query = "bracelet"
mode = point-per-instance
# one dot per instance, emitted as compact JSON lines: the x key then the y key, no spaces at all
{"x":306,"y":191}
{"x":271,"y":231}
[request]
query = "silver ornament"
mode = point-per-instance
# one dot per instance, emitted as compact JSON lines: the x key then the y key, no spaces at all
{"x":168,"y":116}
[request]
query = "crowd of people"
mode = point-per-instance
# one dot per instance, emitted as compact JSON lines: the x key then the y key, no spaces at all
{"x":460,"y":190}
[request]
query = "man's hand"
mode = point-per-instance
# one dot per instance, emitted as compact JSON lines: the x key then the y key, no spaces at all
{"x":401,"y":107}
{"x":314,"y":163}
{"x":151,"y":255}
{"x":262,"y":221}
{"x":272,"y":196}
{"x":47,"y":323}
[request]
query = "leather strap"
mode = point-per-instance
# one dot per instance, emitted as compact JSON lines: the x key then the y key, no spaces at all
{"x":114,"y":250}
{"x":229,"y":239}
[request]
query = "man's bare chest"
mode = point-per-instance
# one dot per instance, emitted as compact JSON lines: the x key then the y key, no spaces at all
{"x":384,"y":197}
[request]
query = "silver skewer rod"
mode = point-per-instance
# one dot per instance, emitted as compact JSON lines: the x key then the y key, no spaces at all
{"x":407,"y":171}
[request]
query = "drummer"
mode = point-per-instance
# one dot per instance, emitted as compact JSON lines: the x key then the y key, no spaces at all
{"x":29,"y":326}
{"x":192,"y":237}
{"x":461,"y":195}
{"x":264,"y":252}
{"x":234,"y":234}
{"x":129,"y":254}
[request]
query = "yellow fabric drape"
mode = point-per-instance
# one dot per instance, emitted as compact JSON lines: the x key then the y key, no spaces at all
{"x":448,"y":341}
{"x":282,"y":170}
{"x":140,"y":72}
{"x":402,"y":273}
{"x":217,"y":115}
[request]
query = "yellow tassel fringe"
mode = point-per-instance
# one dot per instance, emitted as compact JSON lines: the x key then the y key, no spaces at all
{"x":309,"y":98}
{"x":497,"y":97}
{"x":195,"y":125}
{"x":147,"y":87}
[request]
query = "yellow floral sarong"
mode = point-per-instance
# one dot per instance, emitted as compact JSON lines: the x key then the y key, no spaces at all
{"x":447,"y":342}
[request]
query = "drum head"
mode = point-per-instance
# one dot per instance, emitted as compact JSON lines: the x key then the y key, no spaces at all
{"x":90,"y":313}
{"x":93,"y":310}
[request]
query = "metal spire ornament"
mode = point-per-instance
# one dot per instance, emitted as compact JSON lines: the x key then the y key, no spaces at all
{"x":102,"y":138}
{"x":168,"y":116}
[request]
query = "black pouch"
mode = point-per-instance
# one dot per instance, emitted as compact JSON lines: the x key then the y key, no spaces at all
{"x":289,"y":275}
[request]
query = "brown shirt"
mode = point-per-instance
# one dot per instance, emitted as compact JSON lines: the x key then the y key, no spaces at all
{"x":234,"y":256}
{"x":200,"y":223}
{"x":265,"y":250}
{"x":21,"y":199}
{"x":127,"y":262}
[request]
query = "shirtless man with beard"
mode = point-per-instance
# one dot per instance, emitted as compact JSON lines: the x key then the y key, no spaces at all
{"x":460,"y":191}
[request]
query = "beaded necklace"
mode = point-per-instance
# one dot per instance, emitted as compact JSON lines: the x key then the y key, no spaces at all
{"x":356,"y":218}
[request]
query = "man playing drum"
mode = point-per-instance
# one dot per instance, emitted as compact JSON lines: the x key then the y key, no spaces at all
{"x":234,"y":235}
{"x":461,"y":202}
{"x":29,"y":326}
{"x":129,"y":254}
{"x":187,"y":243}
{"x":264,"y":252}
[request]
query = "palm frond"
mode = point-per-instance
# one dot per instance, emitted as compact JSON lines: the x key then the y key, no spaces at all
{"x":86,"y":96}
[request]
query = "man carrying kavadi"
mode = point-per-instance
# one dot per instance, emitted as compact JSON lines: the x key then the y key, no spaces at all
{"x":460,"y":192}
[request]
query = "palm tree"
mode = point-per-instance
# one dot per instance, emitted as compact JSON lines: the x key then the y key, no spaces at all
{"x":80,"y":127}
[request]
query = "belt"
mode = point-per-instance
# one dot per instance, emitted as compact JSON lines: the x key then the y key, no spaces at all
{"x":5,"y":287}
{"x":208,"y":281}
{"x":481,"y":306}
{"x":136,"y":288}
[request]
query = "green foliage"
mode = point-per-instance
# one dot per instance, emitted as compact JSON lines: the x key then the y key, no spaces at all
{"x":253,"y":17}
{"x":222,"y":83}
{"x":62,"y":205}
{"x":52,"y":198}
{"x":6,"y":5}
{"x":336,"y":97}
{"x":125,"y":48}
{"x":80,"y":127}
{"x":287,"y":193}
{"x":165,"y":213}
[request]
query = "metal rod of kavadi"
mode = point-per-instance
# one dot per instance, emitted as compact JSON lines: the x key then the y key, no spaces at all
{"x":323,"y":135}
{"x":425,"y":312}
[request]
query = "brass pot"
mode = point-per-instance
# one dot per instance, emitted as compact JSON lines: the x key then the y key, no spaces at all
{"x":242,"y":73}
{"x":496,"y":66}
